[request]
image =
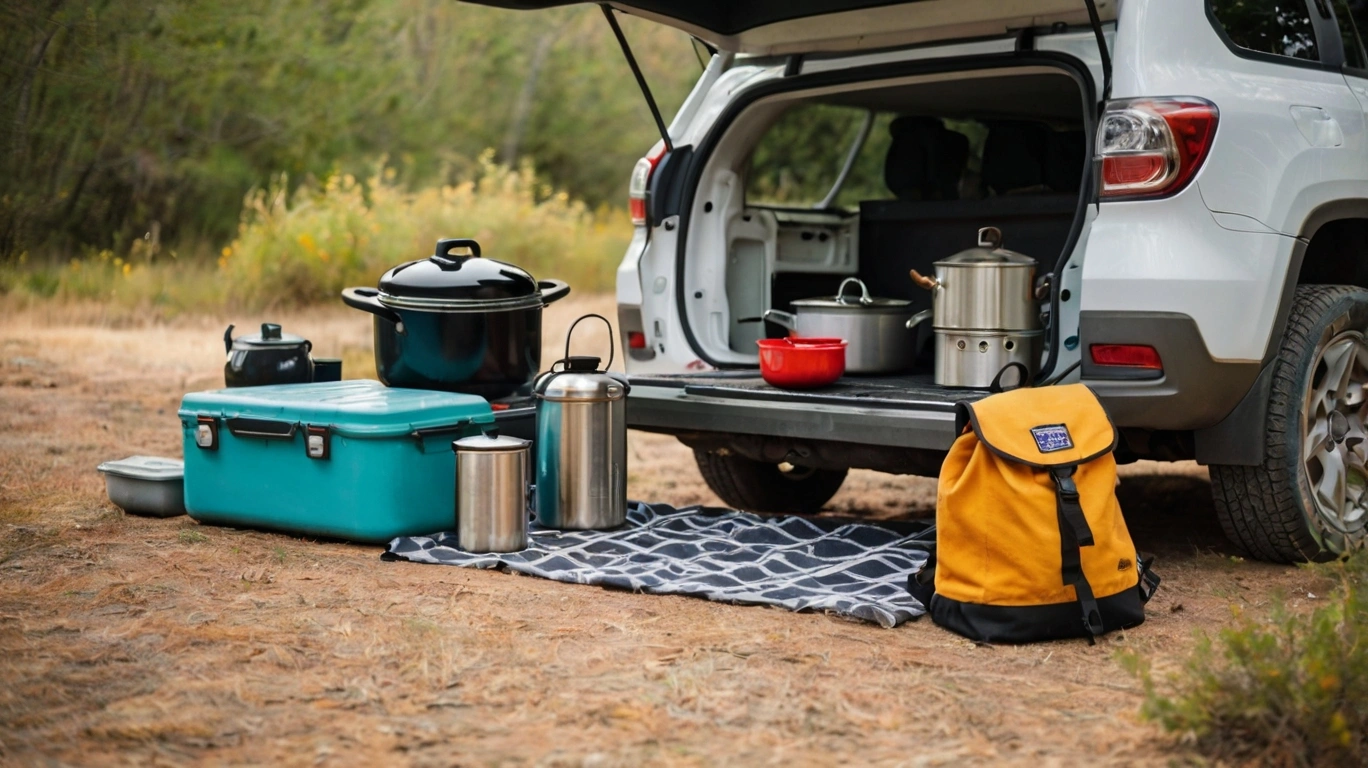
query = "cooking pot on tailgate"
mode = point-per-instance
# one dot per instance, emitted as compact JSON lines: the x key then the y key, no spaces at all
{"x":458,"y":322}
{"x":881,"y":333}
{"x":984,"y":313}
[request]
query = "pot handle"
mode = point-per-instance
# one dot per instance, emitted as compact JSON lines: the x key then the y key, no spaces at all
{"x":918,"y":319}
{"x":864,"y":291}
{"x":365,"y":300}
{"x":552,"y":290}
{"x":780,"y":317}
{"x":929,"y":283}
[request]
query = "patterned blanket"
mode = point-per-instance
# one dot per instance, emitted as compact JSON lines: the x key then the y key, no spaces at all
{"x":854,"y":569}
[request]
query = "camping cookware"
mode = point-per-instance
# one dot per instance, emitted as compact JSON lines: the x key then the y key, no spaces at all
{"x":491,"y":493}
{"x":802,"y":363}
{"x":146,"y":485}
{"x":270,"y":357}
{"x":984,"y":313}
{"x":880,"y":336}
{"x":581,"y":442}
{"x":458,"y":323}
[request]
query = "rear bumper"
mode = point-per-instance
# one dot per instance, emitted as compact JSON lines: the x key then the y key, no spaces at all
{"x":1195,"y":390}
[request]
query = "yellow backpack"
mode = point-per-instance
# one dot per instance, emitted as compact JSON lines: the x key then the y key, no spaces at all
{"x":1030,"y":542}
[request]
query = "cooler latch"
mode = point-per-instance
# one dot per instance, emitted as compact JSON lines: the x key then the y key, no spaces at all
{"x":317,"y":442}
{"x":206,"y":433}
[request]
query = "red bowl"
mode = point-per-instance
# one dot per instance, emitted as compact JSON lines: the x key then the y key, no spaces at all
{"x":791,"y":364}
{"x":817,"y":341}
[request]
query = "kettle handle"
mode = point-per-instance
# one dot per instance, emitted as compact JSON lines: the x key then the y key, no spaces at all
{"x":612,"y":349}
{"x":228,"y":340}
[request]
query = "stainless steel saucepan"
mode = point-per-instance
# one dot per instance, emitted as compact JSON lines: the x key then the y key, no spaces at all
{"x":881,"y":333}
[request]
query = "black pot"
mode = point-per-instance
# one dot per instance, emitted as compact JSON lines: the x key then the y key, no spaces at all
{"x":271,"y":357}
{"x":458,"y":323}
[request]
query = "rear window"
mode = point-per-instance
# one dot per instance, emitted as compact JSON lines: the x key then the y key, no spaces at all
{"x":1273,"y":27}
{"x":800,"y":157}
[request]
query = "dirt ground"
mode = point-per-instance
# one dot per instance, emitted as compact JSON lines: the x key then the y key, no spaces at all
{"x":128,"y":640}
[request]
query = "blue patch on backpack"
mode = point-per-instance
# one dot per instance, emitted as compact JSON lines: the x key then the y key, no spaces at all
{"x":1052,"y":437}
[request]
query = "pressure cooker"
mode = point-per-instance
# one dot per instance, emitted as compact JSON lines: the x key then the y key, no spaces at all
{"x":984,"y":314}
{"x":458,"y":322}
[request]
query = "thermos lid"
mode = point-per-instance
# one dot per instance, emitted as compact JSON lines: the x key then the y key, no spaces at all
{"x":572,"y":385}
{"x":490,"y":443}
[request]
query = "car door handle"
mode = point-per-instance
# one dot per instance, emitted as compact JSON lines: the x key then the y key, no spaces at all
{"x":1319,"y":127}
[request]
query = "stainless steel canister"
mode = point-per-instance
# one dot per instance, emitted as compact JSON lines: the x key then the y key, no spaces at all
{"x":581,"y":444}
{"x":491,"y":493}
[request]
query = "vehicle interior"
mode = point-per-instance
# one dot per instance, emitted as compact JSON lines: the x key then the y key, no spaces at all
{"x":874,"y":180}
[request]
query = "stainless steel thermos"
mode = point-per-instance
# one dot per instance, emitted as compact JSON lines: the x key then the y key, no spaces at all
{"x":581,"y":442}
{"x":491,"y":493}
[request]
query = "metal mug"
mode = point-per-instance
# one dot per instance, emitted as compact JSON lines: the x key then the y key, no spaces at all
{"x":491,"y":493}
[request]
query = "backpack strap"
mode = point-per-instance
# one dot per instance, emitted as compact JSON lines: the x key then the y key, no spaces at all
{"x":1074,"y":533}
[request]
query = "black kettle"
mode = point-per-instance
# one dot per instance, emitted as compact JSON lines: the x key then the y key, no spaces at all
{"x":270,"y":357}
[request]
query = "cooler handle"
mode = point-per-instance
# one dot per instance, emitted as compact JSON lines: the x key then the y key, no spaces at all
{"x":266,"y":429}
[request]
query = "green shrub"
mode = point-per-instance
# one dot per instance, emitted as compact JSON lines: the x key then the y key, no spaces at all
{"x":306,"y":247}
{"x":1291,"y":690}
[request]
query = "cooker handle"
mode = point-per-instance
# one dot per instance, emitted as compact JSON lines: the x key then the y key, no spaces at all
{"x":918,"y":319}
{"x":365,"y":300}
{"x":552,"y":290}
{"x":780,"y":317}
{"x":929,"y":283}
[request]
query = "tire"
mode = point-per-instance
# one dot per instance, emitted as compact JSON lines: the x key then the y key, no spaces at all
{"x":1290,"y":509}
{"x":755,"y":486}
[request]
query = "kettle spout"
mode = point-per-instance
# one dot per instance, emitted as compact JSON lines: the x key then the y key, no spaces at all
{"x":228,"y":339}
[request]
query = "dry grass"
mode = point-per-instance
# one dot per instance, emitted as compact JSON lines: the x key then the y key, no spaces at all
{"x":132,"y":640}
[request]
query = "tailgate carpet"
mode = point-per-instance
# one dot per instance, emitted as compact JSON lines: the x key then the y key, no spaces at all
{"x":853,"y":569}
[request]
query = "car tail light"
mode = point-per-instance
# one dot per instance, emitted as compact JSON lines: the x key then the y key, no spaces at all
{"x":636,"y":340}
{"x":1153,"y":147}
{"x":641,"y":182}
{"x":1127,"y":355}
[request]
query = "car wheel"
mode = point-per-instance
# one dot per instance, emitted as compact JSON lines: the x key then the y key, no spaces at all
{"x":756,"y":486}
{"x":1309,"y":498}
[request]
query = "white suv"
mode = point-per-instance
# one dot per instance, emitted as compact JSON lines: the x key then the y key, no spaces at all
{"x":1193,"y":174}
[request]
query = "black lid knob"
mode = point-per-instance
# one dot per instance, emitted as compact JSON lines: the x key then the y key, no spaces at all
{"x":270,"y":331}
{"x":582,"y":363}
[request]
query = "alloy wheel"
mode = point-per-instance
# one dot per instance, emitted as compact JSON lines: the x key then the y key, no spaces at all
{"x":1335,"y":442}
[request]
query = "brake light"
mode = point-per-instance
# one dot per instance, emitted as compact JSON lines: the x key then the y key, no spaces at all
{"x":641,"y":181}
{"x":1127,"y":355}
{"x":1153,"y":147}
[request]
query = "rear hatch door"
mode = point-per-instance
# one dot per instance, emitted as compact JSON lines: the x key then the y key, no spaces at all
{"x":781,"y":27}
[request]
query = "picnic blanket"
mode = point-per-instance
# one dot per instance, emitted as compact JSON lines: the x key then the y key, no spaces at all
{"x":803,"y":564}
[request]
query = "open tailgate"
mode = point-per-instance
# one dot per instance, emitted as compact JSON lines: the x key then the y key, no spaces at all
{"x":810,"y":26}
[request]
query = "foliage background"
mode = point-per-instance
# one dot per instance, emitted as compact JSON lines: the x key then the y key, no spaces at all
{"x":138,"y":120}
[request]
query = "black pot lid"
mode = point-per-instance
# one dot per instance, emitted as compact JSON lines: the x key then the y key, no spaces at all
{"x":453,"y":282}
{"x":270,"y":336}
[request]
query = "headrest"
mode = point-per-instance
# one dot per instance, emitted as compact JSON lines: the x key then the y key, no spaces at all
{"x":924,"y":161}
{"x":1014,"y":157}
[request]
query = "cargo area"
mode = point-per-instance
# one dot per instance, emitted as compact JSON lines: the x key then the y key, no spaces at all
{"x":871,"y":181}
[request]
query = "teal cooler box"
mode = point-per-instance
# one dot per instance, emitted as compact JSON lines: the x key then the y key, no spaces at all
{"x":350,"y":460}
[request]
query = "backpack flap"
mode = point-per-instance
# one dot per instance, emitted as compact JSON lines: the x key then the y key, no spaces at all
{"x":1044,"y":427}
